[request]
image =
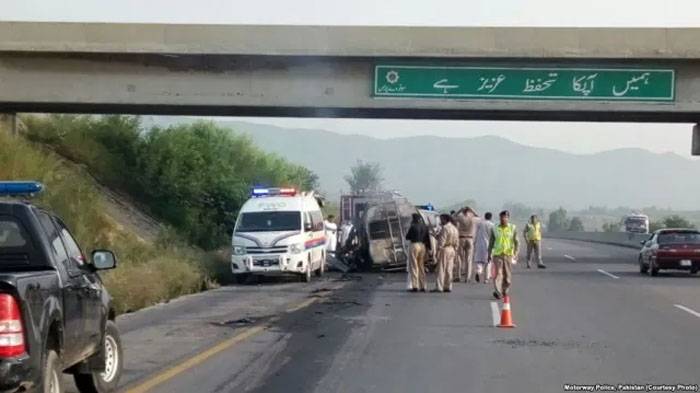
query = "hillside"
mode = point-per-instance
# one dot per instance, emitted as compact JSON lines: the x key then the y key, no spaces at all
{"x":490,"y":170}
{"x":153,"y":265}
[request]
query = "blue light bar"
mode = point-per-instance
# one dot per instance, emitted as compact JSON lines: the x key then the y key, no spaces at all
{"x":18,"y":188}
{"x":260,"y":191}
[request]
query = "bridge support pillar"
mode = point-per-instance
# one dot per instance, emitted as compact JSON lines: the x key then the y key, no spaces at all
{"x":695,"y":149}
{"x":8,"y":121}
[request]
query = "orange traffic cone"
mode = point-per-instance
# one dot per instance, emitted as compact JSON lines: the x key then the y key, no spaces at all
{"x":506,"y":317}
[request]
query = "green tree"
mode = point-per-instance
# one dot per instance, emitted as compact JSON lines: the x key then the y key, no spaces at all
{"x":520,"y":212}
{"x":611,"y":227}
{"x":197,"y":176}
{"x":194,"y":177}
{"x":558,"y":220}
{"x":656,"y":225}
{"x":673,"y":221}
{"x":365,"y":177}
{"x":576,"y":225}
{"x":108,"y":145}
{"x":676,"y":221}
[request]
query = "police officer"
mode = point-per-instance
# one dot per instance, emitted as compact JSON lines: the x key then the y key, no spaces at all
{"x":448,"y":241}
{"x":533,"y":237}
{"x":503,"y":249}
{"x":467,"y":221}
{"x":420,"y":242}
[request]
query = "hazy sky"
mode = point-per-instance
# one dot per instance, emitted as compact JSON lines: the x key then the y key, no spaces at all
{"x":364,"y":12}
{"x":573,"y":137}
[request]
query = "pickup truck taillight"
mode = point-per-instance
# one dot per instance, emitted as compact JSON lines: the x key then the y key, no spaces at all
{"x":11,"y":331}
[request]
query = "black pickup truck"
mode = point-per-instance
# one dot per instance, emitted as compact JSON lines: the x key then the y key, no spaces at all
{"x":55,"y":314}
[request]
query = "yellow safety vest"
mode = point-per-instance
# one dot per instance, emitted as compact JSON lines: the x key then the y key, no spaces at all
{"x":504,"y":244}
{"x":534,"y":232}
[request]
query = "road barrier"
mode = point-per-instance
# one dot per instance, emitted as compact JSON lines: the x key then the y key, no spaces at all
{"x":506,"y":317}
{"x":624,"y":239}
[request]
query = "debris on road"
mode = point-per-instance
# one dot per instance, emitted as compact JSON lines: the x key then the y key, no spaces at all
{"x":348,"y":277}
{"x":342,"y":302}
{"x":235,"y":322}
{"x":521,"y":343}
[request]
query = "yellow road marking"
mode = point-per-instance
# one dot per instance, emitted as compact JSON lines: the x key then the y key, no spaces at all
{"x":196,"y":360}
{"x":222,"y":346}
{"x":305,"y":303}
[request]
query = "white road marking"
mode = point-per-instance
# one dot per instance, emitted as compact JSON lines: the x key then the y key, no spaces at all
{"x":495,"y":313}
{"x":608,"y":274}
{"x":688,"y":310}
{"x":570,"y":257}
{"x":549,"y":248}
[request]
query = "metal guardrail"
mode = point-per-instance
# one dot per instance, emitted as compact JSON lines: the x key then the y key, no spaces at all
{"x":623,"y":239}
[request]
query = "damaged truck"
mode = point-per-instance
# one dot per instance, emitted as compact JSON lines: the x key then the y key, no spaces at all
{"x":373,"y":230}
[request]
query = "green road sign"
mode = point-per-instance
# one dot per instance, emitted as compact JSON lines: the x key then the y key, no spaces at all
{"x":551,"y":83}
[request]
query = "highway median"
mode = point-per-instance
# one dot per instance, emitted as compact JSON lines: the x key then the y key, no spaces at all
{"x":622,"y":239}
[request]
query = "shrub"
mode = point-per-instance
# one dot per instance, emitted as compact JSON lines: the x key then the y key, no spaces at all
{"x":195,"y":177}
{"x":148,"y":273}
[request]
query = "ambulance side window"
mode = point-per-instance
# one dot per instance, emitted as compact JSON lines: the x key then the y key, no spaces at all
{"x":307,"y":220}
{"x":317,"y":220}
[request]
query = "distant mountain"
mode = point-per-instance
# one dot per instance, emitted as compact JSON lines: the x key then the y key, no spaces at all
{"x":490,"y":170}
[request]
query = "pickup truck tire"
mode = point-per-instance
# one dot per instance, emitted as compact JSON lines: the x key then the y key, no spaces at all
{"x":242,"y":278}
{"x":52,"y":378}
{"x":107,"y":380}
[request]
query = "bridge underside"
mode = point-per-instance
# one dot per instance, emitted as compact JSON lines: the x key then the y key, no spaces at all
{"x":298,"y":86}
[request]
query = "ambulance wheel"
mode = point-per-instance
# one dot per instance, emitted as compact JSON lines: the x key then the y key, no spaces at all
{"x":307,"y":273}
{"x":321,"y":269}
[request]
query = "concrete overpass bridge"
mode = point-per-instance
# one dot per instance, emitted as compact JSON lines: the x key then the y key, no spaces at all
{"x":502,"y":73}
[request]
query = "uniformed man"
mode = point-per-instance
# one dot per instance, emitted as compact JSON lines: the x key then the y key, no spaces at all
{"x":467,"y":221}
{"x":331,"y":235}
{"x":448,"y":241}
{"x":420,"y":241}
{"x":533,"y":237}
{"x":503,"y":249}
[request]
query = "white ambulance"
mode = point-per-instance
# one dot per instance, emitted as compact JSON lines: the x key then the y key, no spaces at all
{"x":279,"y":231}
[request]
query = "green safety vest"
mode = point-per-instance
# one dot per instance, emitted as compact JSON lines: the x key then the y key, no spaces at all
{"x":534,"y":231}
{"x":504,"y":244}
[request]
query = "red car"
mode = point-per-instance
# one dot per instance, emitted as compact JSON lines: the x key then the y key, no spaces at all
{"x":677,"y":249}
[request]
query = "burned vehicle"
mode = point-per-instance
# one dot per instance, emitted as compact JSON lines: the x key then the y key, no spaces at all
{"x":375,"y":227}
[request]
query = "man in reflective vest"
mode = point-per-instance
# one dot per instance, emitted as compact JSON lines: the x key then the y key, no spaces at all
{"x":503,"y":248}
{"x":533,"y":237}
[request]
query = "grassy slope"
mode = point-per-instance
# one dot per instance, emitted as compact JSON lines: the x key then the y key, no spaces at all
{"x":149,"y":271}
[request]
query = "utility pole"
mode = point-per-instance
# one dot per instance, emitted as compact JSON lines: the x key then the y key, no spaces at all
{"x":695,"y":148}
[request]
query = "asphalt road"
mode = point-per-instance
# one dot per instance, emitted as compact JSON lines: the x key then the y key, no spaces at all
{"x":590,"y":318}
